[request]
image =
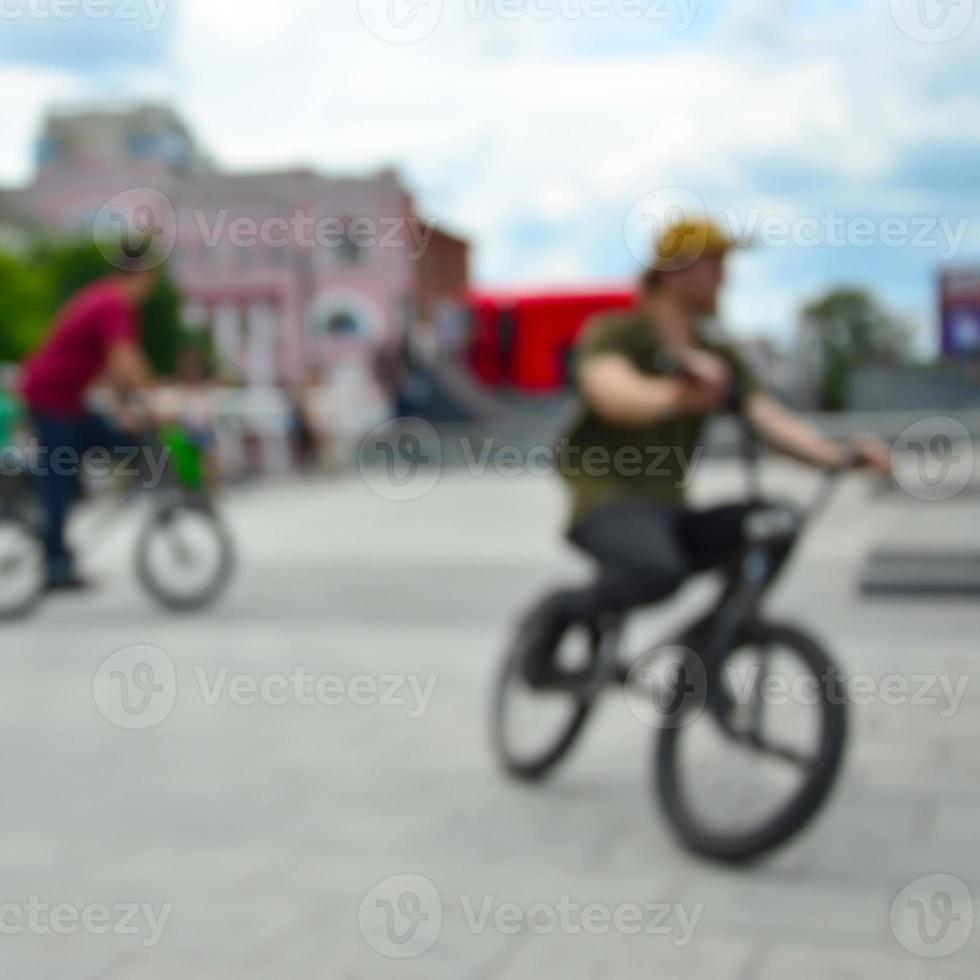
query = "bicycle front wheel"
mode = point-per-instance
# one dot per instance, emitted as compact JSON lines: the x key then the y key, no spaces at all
{"x":746,"y":770}
{"x":184,"y":556}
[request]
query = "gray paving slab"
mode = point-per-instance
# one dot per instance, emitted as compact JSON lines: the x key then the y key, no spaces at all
{"x":267,"y":829}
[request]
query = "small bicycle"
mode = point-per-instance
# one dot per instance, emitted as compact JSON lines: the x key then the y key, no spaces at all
{"x":750,"y":713}
{"x":184,"y":557}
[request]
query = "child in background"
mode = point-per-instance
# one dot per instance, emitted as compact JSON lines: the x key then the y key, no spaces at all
{"x":189,"y":433}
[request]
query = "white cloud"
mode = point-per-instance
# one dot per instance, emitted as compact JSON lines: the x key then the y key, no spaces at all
{"x":23,"y":94}
{"x":500,"y":125}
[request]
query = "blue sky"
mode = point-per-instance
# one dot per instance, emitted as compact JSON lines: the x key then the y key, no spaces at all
{"x":535,"y":126}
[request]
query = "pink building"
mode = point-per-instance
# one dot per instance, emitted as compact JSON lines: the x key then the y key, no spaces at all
{"x":296,"y":274}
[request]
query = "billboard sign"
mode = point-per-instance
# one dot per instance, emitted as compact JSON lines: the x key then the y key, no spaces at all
{"x":960,"y":313}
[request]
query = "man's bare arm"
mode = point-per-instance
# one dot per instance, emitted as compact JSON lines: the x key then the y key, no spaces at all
{"x":128,"y":370}
{"x":794,"y":437}
{"x":622,"y":396}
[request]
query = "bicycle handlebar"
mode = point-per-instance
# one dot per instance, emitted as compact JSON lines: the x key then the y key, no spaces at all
{"x":750,"y":441}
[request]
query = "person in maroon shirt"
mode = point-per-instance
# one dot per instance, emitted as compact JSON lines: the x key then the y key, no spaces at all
{"x":95,"y":338}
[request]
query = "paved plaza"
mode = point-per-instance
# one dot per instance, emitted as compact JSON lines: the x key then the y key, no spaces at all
{"x":312,"y":797}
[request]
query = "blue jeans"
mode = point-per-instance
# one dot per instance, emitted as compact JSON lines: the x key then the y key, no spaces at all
{"x":63,"y":443}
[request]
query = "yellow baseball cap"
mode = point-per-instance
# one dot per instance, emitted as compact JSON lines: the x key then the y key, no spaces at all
{"x":685,"y":240}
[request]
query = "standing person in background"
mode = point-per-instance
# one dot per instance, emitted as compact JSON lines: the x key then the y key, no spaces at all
{"x":303,"y":432}
{"x":95,"y":338}
{"x":393,"y":372}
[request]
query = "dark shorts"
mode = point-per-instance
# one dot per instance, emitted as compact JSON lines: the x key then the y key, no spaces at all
{"x":646,"y":550}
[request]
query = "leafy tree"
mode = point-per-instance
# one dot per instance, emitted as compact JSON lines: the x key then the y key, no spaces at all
{"x":163,"y":335}
{"x":853,"y":330}
{"x":25,"y":301}
{"x":73,"y":265}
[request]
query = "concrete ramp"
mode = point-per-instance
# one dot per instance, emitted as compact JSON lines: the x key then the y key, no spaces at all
{"x":922,"y":573}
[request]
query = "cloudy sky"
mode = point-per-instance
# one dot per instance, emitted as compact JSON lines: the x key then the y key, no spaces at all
{"x":842,"y":135}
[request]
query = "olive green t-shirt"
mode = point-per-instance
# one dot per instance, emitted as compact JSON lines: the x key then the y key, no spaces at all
{"x":604,"y":462}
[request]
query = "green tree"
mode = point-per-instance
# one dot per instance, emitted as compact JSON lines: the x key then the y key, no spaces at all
{"x":163,"y":334}
{"x":71,"y":266}
{"x":25,"y":302}
{"x":853,"y":330}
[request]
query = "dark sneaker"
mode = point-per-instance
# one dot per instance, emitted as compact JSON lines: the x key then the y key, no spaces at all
{"x":68,"y":582}
{"x":542,"y":635}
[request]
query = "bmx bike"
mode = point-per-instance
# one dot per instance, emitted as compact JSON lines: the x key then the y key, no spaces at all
{"x":184,"y":554}
{"x":750,"y":714}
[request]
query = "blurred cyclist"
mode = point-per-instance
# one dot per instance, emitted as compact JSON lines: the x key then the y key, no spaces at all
{"x":649,"y":379}
{"x":95,"y":338}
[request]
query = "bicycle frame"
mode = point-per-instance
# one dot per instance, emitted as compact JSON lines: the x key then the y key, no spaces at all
{"x":773,"y":532}
{"x":18,"y":495}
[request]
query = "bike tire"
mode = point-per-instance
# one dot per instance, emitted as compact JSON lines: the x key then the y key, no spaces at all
{"x":540,"y":764}
{"x":214,"y":588}
{"x":740,"y":848}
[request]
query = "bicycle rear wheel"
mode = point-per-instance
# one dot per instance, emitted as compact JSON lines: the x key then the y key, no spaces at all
{"x":184,"y":556}
{"x":533,"y":728}
{"x":23,"y":573}
{"x":741,"y":774}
